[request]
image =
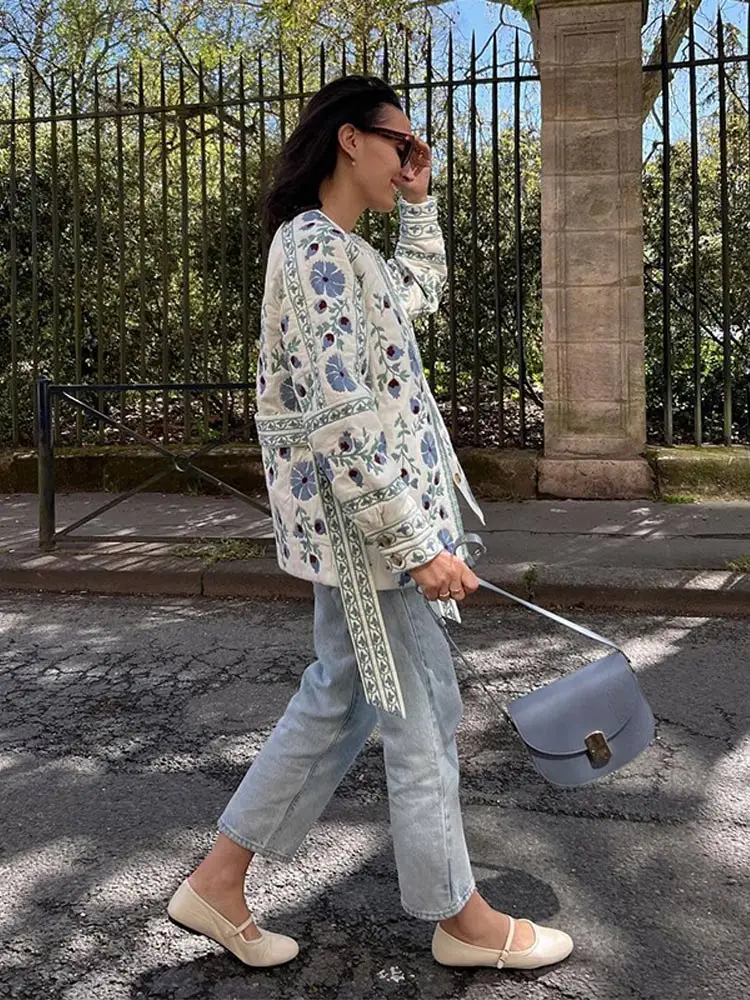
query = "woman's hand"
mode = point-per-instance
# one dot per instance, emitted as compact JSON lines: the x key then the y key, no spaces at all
{"x":445,"y":577}
{"x":414,"y":179}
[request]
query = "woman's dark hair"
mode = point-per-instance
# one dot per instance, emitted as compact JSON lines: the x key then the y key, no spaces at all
{"x":309,"y":155}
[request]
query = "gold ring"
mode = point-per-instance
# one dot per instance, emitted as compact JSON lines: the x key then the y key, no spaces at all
{"x":443,"y":596}
{"x":457,"y":591}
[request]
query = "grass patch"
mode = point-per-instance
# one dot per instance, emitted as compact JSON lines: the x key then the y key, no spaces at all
{"x":679,"y":498}
{"x":213,"y":550}
{"x":710,"y":472}
{"x":530,"y":580}
{"x":740,"y":565}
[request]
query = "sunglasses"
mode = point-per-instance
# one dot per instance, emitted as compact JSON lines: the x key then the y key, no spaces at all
{"x":405,"y":151}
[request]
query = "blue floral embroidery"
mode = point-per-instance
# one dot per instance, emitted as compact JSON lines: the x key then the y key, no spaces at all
{"x":337,"y":375}
{"x":328,"y":341}
{"x":288,"y":395}
{"x":321,"y":305}
{"x":314,"y":562}
{"x":414,"y":361}
{"x":285,"y":324}
{"x":303,"y":481}
{"x":446,"y":539}
{"x":429,"y":450}
{"x":285,"y":453}
{"x":325,"y":466}
{"x":310,"y":218}
{"x":320,"y":528}
{"x":426,"y":502}
{"x":381,"y":455}
{"x":394,"y":352}
{"x":415,"y":406}
{"x":356,"y":476}
{"x":312,"y":250}
{"x":261,"y":384}
{"x":327,"y":279}
{"x":394,"y":388}
{"x":345,"y":323}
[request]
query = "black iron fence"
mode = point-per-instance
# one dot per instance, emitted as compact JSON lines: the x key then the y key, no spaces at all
{"x":696,"y":186}
{"x":132,"y":249}
{"x":47,"y":394}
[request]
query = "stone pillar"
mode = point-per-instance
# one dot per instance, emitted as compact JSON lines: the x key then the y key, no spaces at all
{"x":592,"y":249}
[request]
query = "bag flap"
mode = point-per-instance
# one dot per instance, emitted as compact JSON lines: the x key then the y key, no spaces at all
{"x":557,"y":718}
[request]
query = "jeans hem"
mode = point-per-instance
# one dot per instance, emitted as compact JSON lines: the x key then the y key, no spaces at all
{"x":264,"y":852}
{"x":444,"y":914}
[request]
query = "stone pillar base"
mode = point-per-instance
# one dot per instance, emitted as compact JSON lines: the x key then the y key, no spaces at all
{"x":595,"y":478}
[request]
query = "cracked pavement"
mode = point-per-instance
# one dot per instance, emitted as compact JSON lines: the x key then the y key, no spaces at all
{"x":126,"y":723}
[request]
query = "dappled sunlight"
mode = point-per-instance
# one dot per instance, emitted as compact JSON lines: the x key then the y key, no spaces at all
{"x":126,"y":756}
{"x":171,"y":516}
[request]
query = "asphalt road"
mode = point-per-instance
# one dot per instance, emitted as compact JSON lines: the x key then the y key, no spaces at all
{"x":125,"y":724}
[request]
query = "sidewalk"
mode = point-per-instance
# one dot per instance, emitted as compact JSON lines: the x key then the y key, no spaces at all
{"x":629,"y":554}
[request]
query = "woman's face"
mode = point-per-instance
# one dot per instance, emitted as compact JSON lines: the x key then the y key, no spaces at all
{"x":378,"y":165}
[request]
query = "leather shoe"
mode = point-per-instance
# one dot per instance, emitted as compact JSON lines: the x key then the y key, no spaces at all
{"x":550,"y":946}
{"x":189,"y":911}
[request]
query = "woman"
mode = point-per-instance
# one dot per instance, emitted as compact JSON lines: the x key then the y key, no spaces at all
{"x":361,"y":476}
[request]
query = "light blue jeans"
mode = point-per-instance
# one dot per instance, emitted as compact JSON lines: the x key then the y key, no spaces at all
{"x":325,"y":726}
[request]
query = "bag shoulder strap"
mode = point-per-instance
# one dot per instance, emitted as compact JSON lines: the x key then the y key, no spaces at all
{"x":475,"y":549}
{"x":573,"y":626}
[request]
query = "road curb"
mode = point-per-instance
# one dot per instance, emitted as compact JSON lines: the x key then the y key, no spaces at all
{"x":686,"y":592}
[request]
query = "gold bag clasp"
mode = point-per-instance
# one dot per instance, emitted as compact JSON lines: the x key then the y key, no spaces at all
{"x":598,"y":748}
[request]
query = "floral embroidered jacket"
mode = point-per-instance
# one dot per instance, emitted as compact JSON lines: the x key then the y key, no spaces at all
{"x":360,"y":469}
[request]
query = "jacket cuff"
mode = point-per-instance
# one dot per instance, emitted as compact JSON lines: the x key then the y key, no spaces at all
{"x":425,"y":211}
{"x":408,"y":543}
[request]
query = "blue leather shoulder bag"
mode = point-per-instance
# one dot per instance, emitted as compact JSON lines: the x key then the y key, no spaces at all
{"x":583,"y":726}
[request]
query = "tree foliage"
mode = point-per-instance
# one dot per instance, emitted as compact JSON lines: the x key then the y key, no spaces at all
{"x":105,"y":288}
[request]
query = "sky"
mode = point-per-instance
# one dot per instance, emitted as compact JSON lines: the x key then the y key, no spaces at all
{"x":482,"y":18}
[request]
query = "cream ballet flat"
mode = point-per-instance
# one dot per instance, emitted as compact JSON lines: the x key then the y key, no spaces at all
{"x":189,"y":911}
{"x":550,"y":946}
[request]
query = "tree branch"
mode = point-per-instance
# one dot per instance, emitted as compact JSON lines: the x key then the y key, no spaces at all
{"x":678,"y":22}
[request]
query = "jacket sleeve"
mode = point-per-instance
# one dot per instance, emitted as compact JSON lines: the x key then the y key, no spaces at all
{"x":341,"y":419}
{"x":418,"y":264}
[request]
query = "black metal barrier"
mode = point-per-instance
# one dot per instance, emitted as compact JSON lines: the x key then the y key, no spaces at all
{"x":46,"y":391}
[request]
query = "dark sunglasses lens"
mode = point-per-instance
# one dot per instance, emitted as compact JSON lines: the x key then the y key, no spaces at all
{"x":406,"y":151}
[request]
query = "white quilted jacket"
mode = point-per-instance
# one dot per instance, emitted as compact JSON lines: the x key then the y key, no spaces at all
{"x":360,"y":470}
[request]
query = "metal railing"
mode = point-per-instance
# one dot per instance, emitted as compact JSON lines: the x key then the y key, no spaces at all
{"x":134,"y":252}
{"x":697,"y":266}
{"x":47,"y":392}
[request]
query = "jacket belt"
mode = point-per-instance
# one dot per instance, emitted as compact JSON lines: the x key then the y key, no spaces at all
{"x":359,"y":595}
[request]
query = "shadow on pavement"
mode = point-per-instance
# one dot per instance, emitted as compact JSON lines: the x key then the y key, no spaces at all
{"x":126,"y":725}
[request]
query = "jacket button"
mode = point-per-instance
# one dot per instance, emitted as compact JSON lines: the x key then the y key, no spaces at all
{"x":457,"y":478}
